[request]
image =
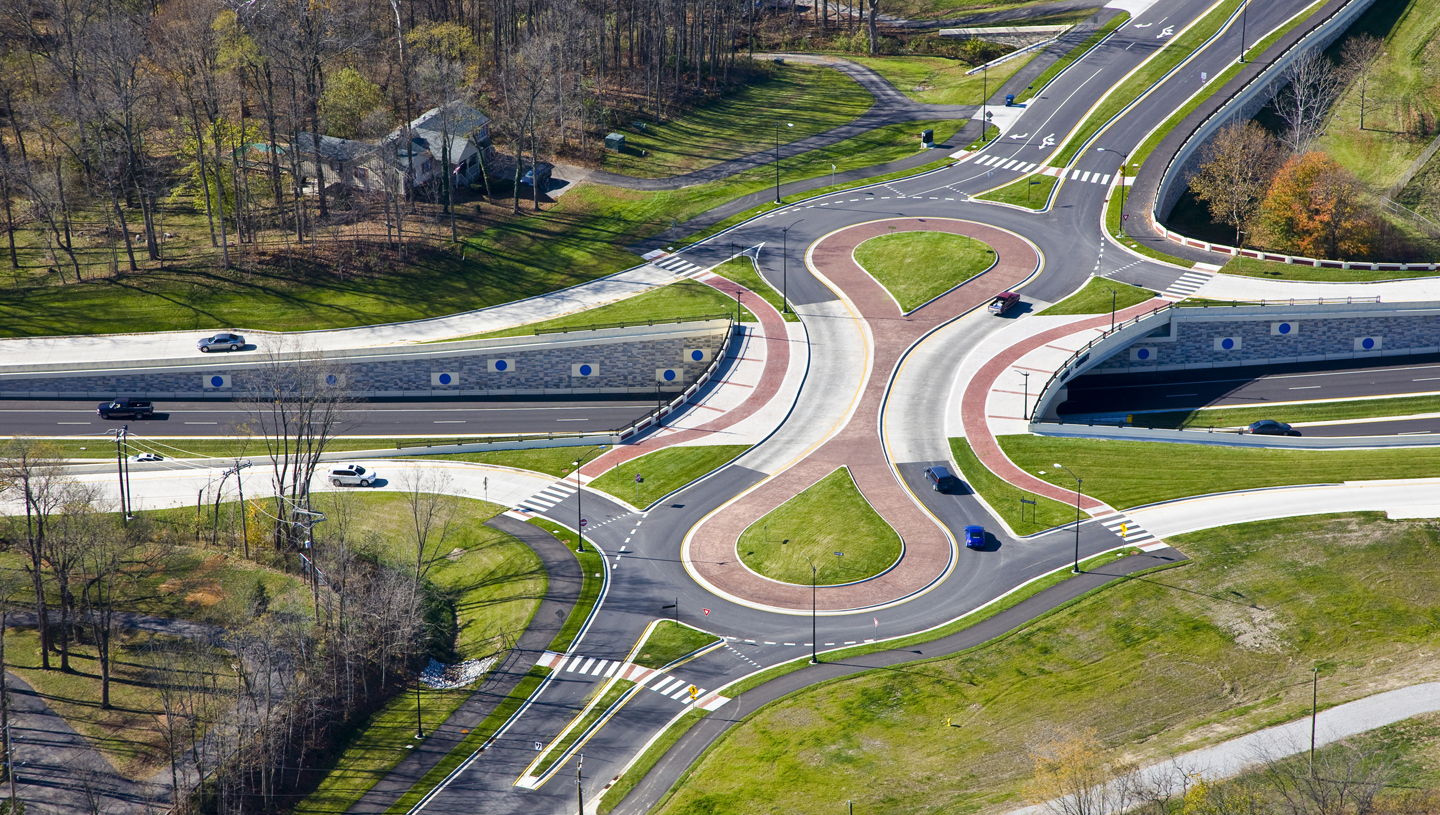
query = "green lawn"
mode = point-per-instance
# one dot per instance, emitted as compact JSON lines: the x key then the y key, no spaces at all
{"x":812,"y":98}
{"x":917,"y":267}
{"x":664,"y":471}
{"x":556,"y":461}
{"x":922,"y":9}
{"x":742,"y":270}
{"x":1227,"y":640}
{"x":187,"y":447}
{"x":1130,"y":473}
{"x":991,"y":134}
{"x":1031,"y":192}
{"x":1274,"y":270}
{"x":651,"y":757}
{"x":1038,"y":86}
{"x":1101,"y":296}
{"x":677,"y":302}
{"x":829,"y":516}
{"x":1174,"y":52}
{"x":491,"y":582}
{"x":940,"y":80}
{"x":1004,"y":497}
{"x":1312,"y":412}
{"x":591,"y":715}
{"x":669,"y":641}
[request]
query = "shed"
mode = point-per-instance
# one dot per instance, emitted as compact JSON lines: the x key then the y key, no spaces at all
{"x":615,"y":141}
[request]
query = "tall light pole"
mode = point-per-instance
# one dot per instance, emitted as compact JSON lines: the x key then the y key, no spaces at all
{"x":579,"y":516}
{"x":1124,"y":159}
{"x":814,"y":640}
{"x":984,"y":97}
{"x":777,"y":160}
{"x":784,"y":267}
{"x":1076,"y":568}
{"x":1025,"y":413}
{"x":1243,"y":9}
{"x":1112,"y":309}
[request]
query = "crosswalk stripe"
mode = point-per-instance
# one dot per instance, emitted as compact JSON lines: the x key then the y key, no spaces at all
{"x":659,"y":688}
{"x":985,"y":161}
{"x":585,"y":669}
{"x":614,"y":666}
{"x":1009,"y":165}
{"x":684,"y":691}
{"x":1105,"y":179}
{"x":1028,"y":167}
{"x":1074,"y":175}
{"x":1085,"y":176}
{"x":600,"y":667}
{"x":571,"y":665}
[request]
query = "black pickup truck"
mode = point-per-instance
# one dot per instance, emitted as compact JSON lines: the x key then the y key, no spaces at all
{"x":125,"y":409}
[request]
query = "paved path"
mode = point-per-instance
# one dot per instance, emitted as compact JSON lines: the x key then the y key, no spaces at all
{"x":710,"y":549}
{"x":562,"y":590}
{"x":1234,"y":757}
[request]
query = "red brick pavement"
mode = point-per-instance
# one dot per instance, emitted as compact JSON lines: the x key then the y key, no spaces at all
{"x":777,"y":361}
{"x":711,"y":548}
{"x":977,"y":429}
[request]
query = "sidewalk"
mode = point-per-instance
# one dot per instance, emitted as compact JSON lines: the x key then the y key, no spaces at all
{"x":1236,"y":287}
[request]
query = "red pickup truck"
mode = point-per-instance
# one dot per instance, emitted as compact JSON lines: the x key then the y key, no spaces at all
{"x":1003,"y":301}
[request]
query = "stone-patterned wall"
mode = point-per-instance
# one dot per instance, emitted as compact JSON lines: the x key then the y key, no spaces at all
{"x":1219,"y":343}
{"x":527,"y":368}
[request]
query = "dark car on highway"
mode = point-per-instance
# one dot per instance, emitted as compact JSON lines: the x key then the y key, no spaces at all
{"x":940,"y":478}
{"x":125,"y":409}
{"x":1270,"y":427}
{"x":221,"y":342}
{"x":974,"y":537}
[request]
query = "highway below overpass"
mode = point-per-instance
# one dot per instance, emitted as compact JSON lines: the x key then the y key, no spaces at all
{"x":380,"y":419}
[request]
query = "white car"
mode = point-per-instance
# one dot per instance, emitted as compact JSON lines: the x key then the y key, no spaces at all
{"x":147,"y":457}
{"x":350,"y":475}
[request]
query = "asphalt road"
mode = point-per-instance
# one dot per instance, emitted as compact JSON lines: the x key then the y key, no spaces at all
{"x":1111,"y":394}
{"x":381,"y":419}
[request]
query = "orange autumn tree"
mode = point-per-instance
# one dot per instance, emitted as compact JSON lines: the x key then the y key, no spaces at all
{"x":1317,"y":208}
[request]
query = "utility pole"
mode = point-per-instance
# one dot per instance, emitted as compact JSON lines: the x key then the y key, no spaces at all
{"x":1314,"y":708}
{"x":120,"y":471}
{"x":579,"y":785}
{"x":125,"y":497}
{"x":244,"y":527}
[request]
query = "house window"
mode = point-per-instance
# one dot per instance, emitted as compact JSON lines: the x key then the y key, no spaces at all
{"x":425,"y":167}
{"x":360,"y":173}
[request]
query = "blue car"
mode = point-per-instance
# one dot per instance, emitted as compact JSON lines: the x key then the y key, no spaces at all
{"x":974,"y":537}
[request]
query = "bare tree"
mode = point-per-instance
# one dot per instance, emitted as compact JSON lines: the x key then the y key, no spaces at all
{"x":1344,"y":780}
{"x":30,"y":470}
{"x":1235,"y":172}
{"x":1359,"y":56}
{"x":1073,"y":776}
{"x":1303,"y":105}
{"x":432,"y":512}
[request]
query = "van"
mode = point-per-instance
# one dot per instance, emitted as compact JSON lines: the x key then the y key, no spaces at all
{"x":940,"y":479}
{"x":350,"y":475}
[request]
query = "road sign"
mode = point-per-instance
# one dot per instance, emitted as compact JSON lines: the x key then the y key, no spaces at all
{"x":638,"y":479}
{"x":583,"y":522}
{"x":694,"y":691}
{"x":707,"y":611}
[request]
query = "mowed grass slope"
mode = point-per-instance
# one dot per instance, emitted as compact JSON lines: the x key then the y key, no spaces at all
{"x":941,"y":80}
{"x":917,"y":267}
{"x":676,"y":302}
{"x":1099,"y":296}
{"x":1156,"y":665}
{"x":663,"y":471}
{"x":811,"y":98}
{"x":1130,"y":473}
{"x":669,"y":641}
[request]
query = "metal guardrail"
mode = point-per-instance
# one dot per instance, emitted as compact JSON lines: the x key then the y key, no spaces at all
{"x":651,"y":418}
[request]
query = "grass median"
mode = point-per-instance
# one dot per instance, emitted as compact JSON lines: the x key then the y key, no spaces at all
{"x":1100,"y":296}
{"x":917,"y":267}
{"x":1005,"y":498}
{"x":592,"y":714}
{"x":742,"y":270}
{"x":1149,"y":72}
{"x":669,"y":641}
{"x":804,"y":537}
{"x":1228,"y":640}
{"x":664,"y":471}
{"x":1400,"y":406}
{"x":1030,"y":192}
{"x":1125,"y":474}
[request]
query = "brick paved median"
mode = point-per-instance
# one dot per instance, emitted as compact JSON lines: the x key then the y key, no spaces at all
{"x":928,"y":550}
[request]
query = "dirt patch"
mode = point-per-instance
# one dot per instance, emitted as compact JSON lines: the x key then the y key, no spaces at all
{"x":205,"y":593}
{"x":1254,"y":629}
{"x":455,"y":554}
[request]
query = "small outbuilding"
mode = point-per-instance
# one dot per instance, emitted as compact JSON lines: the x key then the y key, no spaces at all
{"x":615,"y":141}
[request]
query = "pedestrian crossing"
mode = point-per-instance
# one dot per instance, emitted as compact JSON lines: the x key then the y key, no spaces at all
{"x":678,"y":266}
{"x":548,"y":497}
{"x":1002,"y":163}
{"x":1187,"y":285}
{"x":1022,"y":166}
{"x":1132,"y":532}
{"x":582,"y":665}
{"x":676,"y":689}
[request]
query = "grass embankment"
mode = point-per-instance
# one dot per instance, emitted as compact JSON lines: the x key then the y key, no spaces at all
{"x":1170,"y":55}
{"x":941,"y":80}
{"x":676,"y":302}
{"x":1030,"y":192}
{"x":992,"y":133}
{"x":742,"y":270}
{"x":592,"y":714}
{"x":224,"y":448}
{"x":1310,"y":412}
{"x":492,"y":583}
{"x":917,"y":267}
{"x":828,"y":517}
{"x":1096,"y":298}
{"x":920,"y":9}
{"x":649,"y":759}
{"x":812,"y":98}
{"x":669,"y":641}
{"x":1274,"y":270}
{"x":1005,"y":498}
{"x":1390,"y":142}
{"x":1228,"y":640}
{"x":1044,"y":79}
{"x":1130,"y":473}
{"x":663,"y":471}
{"x":556,"y":461}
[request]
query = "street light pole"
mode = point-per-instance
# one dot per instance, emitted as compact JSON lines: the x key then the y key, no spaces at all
{"x":1124,"y":160}
{"x":1243,"y":10}
{"x":579,"y":493}
{"x":1076,"y":568}
{"x":777,"y":160}
{"x":984,"y":97}
{"x":814,"y":640}
{"x":1025,"y":412}
{"x":1112,"y":309}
